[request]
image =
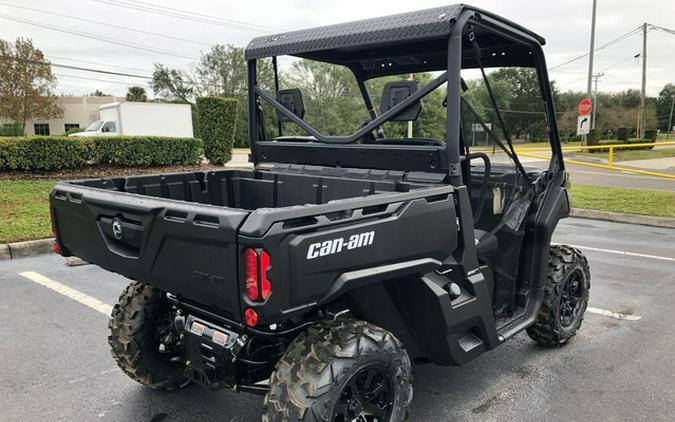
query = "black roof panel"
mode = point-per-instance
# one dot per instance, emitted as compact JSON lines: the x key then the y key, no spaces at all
{"x":418,"y":25}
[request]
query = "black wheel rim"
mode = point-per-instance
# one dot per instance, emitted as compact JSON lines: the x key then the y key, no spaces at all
{"x":368,"y":396}
{"x":572,"y":298}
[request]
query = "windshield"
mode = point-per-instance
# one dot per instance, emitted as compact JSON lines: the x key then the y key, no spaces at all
{"x":94,"y":126}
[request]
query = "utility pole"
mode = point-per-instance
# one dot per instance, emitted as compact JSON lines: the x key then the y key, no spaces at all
{"x":595,"y":97}
{"x":643,"y":93}
{"x":670,"y":120}
{"x":590,"y":59}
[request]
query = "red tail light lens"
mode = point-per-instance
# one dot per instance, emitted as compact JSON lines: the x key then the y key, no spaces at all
{"x":266,"y":287}
{"x":251,"y":272}
{"x":250,"y":317}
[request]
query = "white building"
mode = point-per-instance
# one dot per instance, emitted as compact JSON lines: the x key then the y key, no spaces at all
{"x":78,"y":112}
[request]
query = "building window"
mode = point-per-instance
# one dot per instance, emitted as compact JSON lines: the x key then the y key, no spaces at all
{"x":69,"y":126}
{"x":41,"y":129}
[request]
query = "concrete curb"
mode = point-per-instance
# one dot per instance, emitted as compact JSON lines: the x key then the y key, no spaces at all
{"x":619,"y":217}
{"x":27,"y":248}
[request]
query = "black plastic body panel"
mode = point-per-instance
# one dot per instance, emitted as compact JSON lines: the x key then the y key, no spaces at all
{"x":187,"y":249}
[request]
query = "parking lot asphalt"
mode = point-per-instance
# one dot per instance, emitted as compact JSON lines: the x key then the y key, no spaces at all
{"x":55,"y":364}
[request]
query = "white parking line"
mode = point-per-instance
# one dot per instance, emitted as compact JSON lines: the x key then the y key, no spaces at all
{"x":71,"y":293}
{"x":611,"y":314}
{"x":639,"y":255}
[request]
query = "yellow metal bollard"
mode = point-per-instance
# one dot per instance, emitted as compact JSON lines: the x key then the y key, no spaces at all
{"x":610,"y":158}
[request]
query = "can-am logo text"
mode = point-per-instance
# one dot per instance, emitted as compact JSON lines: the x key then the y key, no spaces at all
{"x":329,"y":247}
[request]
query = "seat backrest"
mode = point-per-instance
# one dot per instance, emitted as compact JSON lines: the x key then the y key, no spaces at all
{"x":394,"y":93}
{"x":292,"y":100}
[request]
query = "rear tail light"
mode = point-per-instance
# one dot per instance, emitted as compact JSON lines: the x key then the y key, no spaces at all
{"x":251,"y":270}
{"x":250,"y":317}
{"x":258,"y":286}
{"x":265,"y":286}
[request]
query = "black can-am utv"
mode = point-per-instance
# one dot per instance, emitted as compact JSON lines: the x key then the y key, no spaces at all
{"x":320,"y":274}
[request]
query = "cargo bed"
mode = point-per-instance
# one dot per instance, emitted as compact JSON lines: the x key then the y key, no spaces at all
{"x":184,"y":232}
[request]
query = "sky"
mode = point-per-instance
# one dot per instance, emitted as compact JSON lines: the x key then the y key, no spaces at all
{"x":178,"y":42}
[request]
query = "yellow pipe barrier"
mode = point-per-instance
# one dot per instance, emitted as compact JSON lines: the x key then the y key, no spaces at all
{"x":525,"y":152}
{"x":604,"y":166}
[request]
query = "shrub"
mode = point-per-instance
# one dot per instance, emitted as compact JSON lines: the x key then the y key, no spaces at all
{"x":217,"y":117}
{"x":74,"y":130}
{"x":40,"y":153}
{"x":623,"y":133}
{"x":593,"y":137}
{"x":638,"y":141}
{"x":11,"y":129}
{"x":651,"y":134}
{"x":135,"y":151}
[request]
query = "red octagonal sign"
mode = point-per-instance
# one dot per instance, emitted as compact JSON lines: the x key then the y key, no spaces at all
{"x":585,"y":107}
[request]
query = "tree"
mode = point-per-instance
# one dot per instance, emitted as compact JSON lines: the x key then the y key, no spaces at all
{"x":220,"y":72}
{"x":137,"y":93}
{"x":331,"y":97}
{"x":99,"y":93}
{"x":663,"y":106}
{"x":26,"y":83}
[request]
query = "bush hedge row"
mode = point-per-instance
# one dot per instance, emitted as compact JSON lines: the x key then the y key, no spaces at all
{"x":217,"y":121}
{"x":62,"y":152}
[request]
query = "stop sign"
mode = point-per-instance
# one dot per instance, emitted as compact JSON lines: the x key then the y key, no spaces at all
{"x":585,"y":107}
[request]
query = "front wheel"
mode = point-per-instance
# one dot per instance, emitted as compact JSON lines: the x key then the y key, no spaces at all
{"x":568,"y":283}
{"x":341,"y":371}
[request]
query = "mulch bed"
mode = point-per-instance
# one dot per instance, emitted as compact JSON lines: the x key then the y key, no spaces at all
{"x":102,"y":171}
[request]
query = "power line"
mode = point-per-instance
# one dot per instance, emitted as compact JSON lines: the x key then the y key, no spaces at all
{"x":98,"y":63}
{"x":126,"y":28}
{"x":666,"y":30}
{"x":602,"y":70}
{"x":85,"y":69}
{"x":602,"y":47}
{"x":96,"y":37}
{"x":61,"y":75}
{"x":187,"y":15}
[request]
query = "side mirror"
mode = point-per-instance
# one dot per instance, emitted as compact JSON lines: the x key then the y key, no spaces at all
{"x":292,"y":100}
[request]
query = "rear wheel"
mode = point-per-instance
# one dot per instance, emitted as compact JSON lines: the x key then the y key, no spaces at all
{"x":341,"y":371}
{"x":144,"y":341}
{"x":568,"y":283}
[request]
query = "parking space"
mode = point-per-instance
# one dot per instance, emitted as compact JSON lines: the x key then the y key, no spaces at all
{"x":55,"y":363}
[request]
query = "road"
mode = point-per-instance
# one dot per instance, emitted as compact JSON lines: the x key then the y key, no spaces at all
{"x":593,"y":176}
{"x":56,"y":364}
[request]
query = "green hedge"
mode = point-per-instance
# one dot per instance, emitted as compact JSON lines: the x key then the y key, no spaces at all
{"x":593,"y":137}
{"x":651,"y":134}
{"x":217,"y":117}
{"x":623,"y":133}
{"x":11,"y":129}
{"x":637,"y":141}
{"x":62,"y":152}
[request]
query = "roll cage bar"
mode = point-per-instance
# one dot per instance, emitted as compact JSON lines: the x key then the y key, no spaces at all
{"x":465,"y":26}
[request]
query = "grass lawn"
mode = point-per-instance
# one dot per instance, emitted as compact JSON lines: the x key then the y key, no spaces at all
{"x":24,"y":205}
{"x":24,"y":210}
{"x":630,"y":201}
